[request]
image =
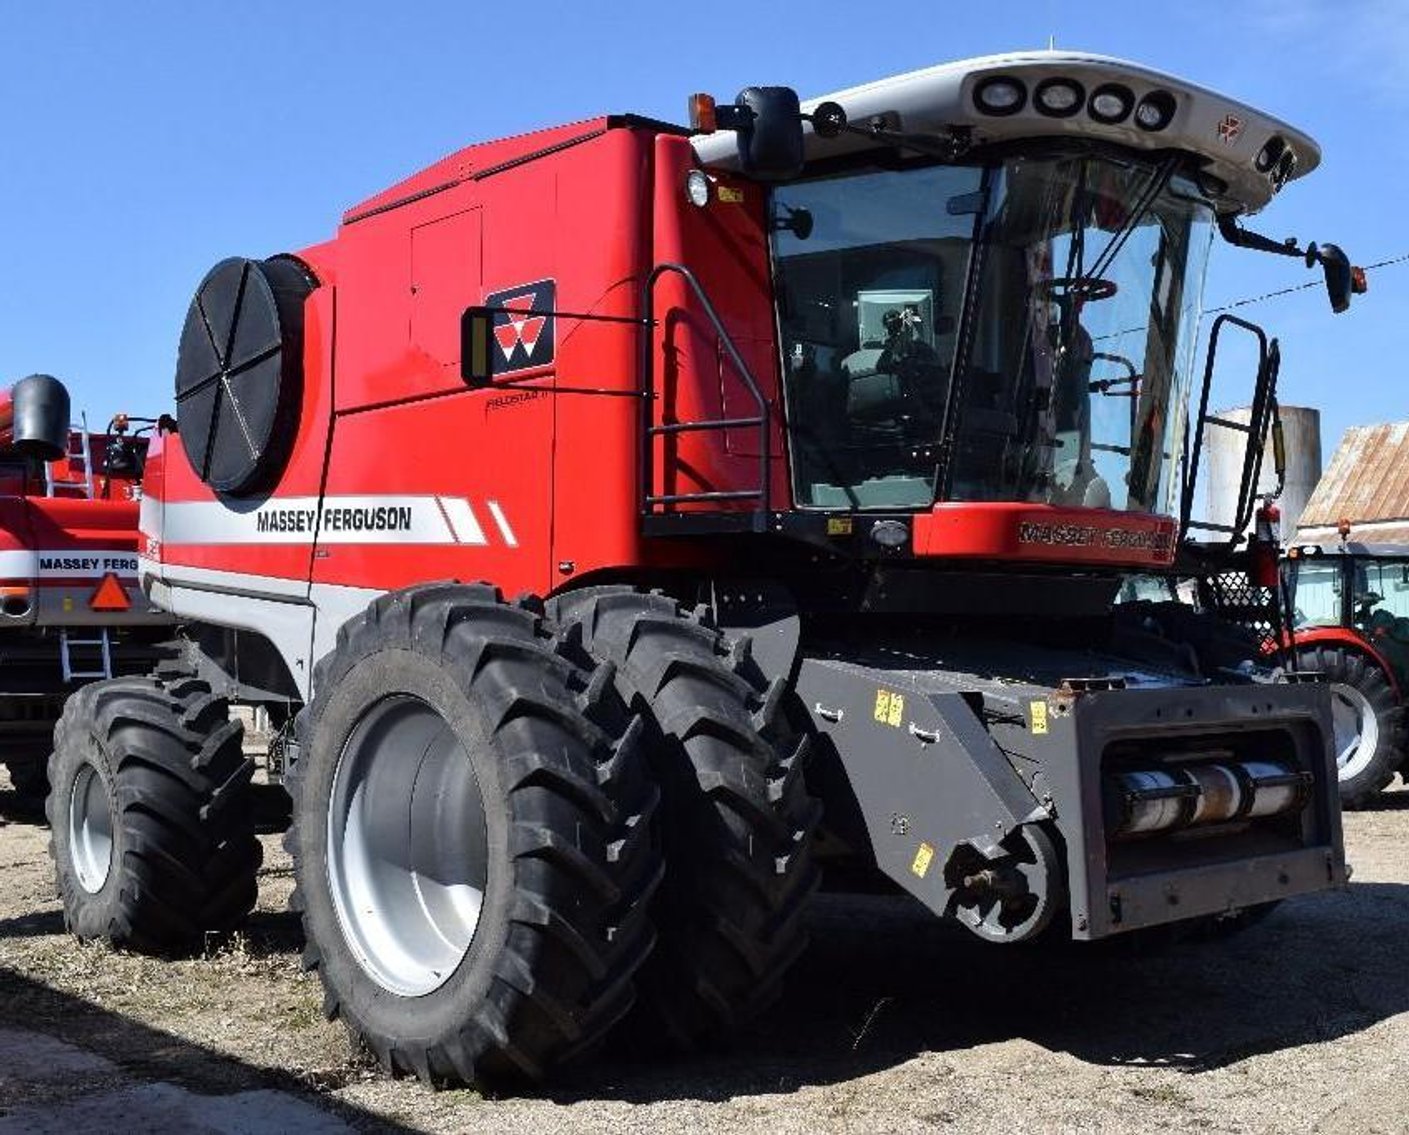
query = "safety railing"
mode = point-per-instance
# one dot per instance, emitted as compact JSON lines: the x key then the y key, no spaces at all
{"x":657,"y":504}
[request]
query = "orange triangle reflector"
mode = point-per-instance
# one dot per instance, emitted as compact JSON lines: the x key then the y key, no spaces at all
{"x":110,"y":595}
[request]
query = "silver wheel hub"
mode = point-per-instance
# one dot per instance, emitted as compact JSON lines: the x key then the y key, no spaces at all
{"x":407,"y":848}
{"x":1357,"y":730}
{"x":90,"y":829}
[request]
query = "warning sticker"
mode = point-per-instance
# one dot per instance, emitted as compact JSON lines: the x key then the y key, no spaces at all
{"x":921,"y":863}
{"x":1039,"y":716}
{"x":890,"y":707}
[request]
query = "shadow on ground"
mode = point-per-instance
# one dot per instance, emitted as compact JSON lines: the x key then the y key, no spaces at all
{"x":884,"y":982}
{"x":21,"y":809}
{"x":142,"y":1053}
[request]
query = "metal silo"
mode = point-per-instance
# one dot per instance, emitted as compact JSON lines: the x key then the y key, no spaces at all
{"x":1301,"y":426}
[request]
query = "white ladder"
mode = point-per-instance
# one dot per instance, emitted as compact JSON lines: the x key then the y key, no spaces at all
{"x":102,"y":645}
{"x":84,"y":454}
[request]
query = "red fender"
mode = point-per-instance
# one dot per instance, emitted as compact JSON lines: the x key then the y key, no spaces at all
{"x":1351,"y":640}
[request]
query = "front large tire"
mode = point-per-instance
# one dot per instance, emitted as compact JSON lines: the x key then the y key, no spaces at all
{"x":473,"y":838}
{"x":152,"y":834}
{"x":738,"y":819}
{"x":1369,"y":722}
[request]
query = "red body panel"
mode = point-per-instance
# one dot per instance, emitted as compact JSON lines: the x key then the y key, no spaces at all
{"x":58,"y":548}
{"x":534,"y":480}
{"x":1042,"y":533}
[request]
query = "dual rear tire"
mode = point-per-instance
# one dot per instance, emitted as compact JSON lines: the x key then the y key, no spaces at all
{"x":479,"y":864}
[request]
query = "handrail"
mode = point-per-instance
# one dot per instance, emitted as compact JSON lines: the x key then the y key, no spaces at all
{"x":1256,"y":431}
{"x":649,"y":431}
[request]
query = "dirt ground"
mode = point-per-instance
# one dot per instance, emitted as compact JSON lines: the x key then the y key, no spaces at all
{"x":892,"y":1022}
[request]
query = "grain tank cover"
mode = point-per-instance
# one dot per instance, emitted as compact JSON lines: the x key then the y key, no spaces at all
{"x":36,"y":420}
{"x":239,"y":372}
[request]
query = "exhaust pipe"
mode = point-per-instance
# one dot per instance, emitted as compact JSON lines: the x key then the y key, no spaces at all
{"x":34,"y":417}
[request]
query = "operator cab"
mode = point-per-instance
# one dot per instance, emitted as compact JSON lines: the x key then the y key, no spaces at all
{"x":988,"y":277}
{"x":1031,"y":318}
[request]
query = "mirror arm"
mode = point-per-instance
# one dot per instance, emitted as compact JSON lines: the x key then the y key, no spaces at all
{"x":1240,"y":237}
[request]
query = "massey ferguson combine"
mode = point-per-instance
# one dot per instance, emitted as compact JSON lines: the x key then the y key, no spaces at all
{"x":827,"y":433}
{"x":71,"y":610}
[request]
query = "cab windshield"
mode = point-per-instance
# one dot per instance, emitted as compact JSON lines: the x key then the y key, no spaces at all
{"x":1033,"y":320}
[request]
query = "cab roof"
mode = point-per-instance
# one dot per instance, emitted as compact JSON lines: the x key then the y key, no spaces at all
{"x":1226,"y":135}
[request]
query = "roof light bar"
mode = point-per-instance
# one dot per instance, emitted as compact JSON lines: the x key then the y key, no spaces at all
{"x":1000,"y":95}
{"x":1059,"y":98}
{"x":1155,"y":112}
{"x":1267,"y":157}
{"x":1111,"y":103}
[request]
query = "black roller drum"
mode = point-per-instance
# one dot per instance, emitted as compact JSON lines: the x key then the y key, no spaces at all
{"x":239,"y":373}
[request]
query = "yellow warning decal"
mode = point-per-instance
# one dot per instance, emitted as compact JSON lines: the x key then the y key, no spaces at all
{"x":838,"y":526}
{"x":729,"y":195}
{"x":889,"y":707}
{"x":1039,"y":716}
{"x":921,"y":863}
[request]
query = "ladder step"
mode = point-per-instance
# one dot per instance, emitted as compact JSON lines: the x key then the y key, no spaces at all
{"x":102,"y":645}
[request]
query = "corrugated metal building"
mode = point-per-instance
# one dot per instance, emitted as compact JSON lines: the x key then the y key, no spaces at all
{"x":1366,"y":483}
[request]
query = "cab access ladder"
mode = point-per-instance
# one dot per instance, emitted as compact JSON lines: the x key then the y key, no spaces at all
{"x":94,"y":656}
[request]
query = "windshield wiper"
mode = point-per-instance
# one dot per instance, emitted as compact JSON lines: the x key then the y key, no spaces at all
{"x":1143,"y":205}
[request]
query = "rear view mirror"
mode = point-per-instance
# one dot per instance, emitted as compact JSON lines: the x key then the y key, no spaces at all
{"x":770,"y":146}
{"x":476,"y":350}
{"x":1340,"y":277}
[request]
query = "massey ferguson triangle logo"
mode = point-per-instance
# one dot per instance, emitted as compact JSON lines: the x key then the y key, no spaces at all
{"x":523,"y":325}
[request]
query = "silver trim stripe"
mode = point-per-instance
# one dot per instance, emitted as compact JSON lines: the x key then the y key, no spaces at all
{"x":380,"y":519}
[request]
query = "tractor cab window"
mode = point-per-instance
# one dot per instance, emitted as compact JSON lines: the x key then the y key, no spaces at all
{"x":1379,"y":602}
{"x":871,"y":268}
{"x":1317,"y":591}
{"x":1082,"y":344}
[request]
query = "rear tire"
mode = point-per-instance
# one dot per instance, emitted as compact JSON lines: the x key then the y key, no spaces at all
{"x":738,"y":819}
{"x":151,"y":831}
{"x":457,"y":752}
{"x":1369,"y":722}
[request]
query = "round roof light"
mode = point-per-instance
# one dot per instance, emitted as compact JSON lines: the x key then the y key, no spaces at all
{"x":1000,"y":95}
{"x":1268,"y":155}
{"x":1155,"y":111}
{"x":1111,"y":103}
{"x":697,"y":187}
{"x":1060,"y":98}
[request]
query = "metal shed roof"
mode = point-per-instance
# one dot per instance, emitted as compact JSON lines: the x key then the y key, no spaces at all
{"x":1367,"y":482}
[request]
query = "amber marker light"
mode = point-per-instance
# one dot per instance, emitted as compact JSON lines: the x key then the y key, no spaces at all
{"x":702,"y":117}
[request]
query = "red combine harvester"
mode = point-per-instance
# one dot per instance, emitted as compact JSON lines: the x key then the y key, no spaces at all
{"x":71,"y":609}
{"x":828,"y":432}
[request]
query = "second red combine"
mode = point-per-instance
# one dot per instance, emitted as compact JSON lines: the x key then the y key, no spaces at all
{"x":71,"y":610}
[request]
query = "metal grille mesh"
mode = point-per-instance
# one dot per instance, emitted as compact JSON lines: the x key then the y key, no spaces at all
{"x":1234,"y":597}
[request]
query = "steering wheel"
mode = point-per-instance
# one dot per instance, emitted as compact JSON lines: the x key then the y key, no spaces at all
{"x":1088,"y":288}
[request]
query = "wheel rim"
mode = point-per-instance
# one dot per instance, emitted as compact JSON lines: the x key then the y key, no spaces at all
{"x":1357,"y":730}
{"x":90,"y":829}
{"x":407,"y":848}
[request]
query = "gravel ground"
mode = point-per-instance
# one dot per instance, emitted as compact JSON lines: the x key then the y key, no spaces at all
{"x":892,"y":1022}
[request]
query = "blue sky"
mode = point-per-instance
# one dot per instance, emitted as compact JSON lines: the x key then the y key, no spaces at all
{"x":141,"y":142}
